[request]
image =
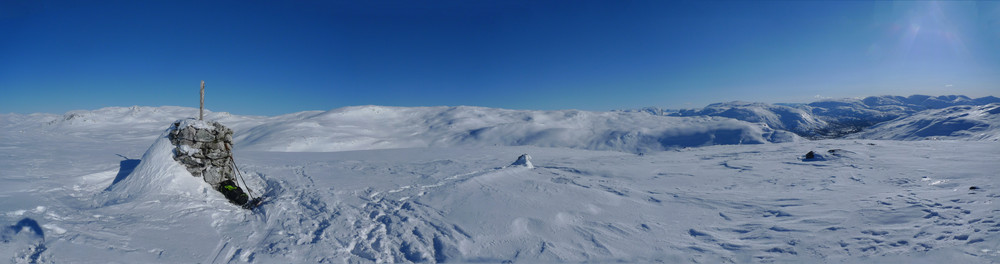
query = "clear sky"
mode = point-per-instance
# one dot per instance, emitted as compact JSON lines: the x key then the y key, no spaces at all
{"x":277,"y":57}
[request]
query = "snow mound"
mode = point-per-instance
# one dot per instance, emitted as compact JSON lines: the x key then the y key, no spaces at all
{"x":524,"y":161}
{"x":157,"y":177}
{"x":962,"y":122}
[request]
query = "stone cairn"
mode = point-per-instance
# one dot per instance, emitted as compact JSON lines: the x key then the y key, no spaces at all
{"x":205,"y":148}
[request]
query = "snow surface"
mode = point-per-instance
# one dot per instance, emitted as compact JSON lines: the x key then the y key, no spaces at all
{"x":73,"y":190}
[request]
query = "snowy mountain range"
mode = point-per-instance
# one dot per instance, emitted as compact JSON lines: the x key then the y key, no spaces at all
{"x":896,"y":179}
{"x":915,"y":117}
{"x":836,"y":118}
{"x":798,"y":120}
{"x":963,"y":122}
{"x":380,"y":127}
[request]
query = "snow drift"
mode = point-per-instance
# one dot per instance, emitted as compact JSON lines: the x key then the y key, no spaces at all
{"x":158,"y":177}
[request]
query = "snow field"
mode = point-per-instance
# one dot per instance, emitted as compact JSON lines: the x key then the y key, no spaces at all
{"x":438,"y":185}
{"x":750,"y":204}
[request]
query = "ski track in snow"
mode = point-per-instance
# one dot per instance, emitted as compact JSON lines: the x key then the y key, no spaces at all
{"x":398,"y":229}
{"x":387,"y":227}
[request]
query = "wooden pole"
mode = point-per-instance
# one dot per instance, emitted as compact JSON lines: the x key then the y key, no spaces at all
{"x":201,"y":109}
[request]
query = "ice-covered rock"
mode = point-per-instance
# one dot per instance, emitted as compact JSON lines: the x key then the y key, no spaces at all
{"x":524,"y":161}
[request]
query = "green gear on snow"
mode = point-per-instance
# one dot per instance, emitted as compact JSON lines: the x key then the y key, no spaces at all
{"x":229,"y":187}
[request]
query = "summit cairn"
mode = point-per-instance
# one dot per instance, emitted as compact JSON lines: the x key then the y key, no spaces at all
{"x":205,"y":148}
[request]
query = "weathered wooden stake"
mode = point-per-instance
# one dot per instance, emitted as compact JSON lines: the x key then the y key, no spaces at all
{"x":201,"y":109}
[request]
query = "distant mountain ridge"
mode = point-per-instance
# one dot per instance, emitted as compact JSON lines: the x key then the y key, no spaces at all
{"x":799,"y":121}
{"x":963,"y":122}
{"x":833,"y":118}
{"x":916,"y":117}
{"x":383,"y":127}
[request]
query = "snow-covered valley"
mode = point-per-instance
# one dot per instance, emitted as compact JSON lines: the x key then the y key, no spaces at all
{"x":437,"y":184}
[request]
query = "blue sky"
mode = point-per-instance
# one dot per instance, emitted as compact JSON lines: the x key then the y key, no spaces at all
{"x":276,"y":57}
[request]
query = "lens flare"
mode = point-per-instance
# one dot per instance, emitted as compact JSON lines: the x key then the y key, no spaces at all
{"x":927,"y":29}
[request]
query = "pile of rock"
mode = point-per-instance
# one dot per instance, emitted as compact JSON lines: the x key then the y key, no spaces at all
{"x":205,"y":148}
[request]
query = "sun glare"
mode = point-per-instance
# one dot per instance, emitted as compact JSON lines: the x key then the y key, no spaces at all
{"x":930,"y":30}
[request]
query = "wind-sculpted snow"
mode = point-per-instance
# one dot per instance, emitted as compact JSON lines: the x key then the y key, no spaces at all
{"x":377,"y":127}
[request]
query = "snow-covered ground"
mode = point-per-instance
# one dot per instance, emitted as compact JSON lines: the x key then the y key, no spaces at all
{"x":437,"y":184}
